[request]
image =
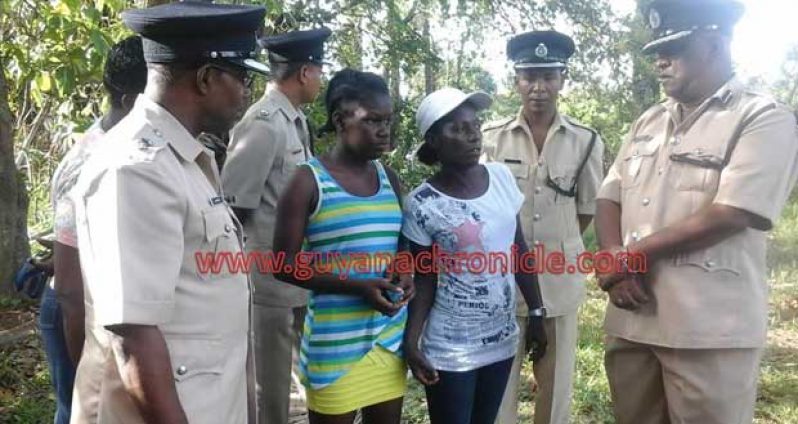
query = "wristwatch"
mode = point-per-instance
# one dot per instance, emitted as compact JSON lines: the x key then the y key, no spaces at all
{"x":538,"y":312}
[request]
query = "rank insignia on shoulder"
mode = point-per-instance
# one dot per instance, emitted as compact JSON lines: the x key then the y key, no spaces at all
{"x":216,"y":200}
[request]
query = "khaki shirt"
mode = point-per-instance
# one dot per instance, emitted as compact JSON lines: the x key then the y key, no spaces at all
{"x":147,"y":202}
{"x":549,"y":219}
{"x":716,"y":297}
{"x":265,"y":148}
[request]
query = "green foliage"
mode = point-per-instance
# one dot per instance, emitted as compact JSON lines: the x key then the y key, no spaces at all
{"x":54,"y":53}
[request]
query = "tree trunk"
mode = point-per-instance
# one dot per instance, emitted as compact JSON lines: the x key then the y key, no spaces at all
{"x":429,"y":73}
{"x":14,"y":247}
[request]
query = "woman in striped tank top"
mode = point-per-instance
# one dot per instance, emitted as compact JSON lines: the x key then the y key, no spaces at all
{"x":344,"y":207}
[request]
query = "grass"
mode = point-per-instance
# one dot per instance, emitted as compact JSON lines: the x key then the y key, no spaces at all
{"x":25,"y":392}
{"x":777,"y":401}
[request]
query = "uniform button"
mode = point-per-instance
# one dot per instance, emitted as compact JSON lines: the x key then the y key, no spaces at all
{"x":635,"y":236}
{"x":660,"y":171}
{"x":536,"y":217}
{"x":675,"y":140}
{"x":228,"y":228}
{"x":709,"y":264}
{"x":538,"y":243}
{"x":157,"y":132}
{"x":540,"y":162}
{"x":537,"y":190}
{"x":646,"y":201}
{"x":181,"y":370}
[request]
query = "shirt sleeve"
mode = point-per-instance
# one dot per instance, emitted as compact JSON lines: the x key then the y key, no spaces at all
{"x":411,"y":225}
{"x":254,"y":147}
{"x":64,"y":222}
{"x":589,"y":180}
{"x":134,"y":221}
{"x":488,"y":147}
{"x":610,"y":188}
{"x":515,"y":196}
{"x":762,"y":169}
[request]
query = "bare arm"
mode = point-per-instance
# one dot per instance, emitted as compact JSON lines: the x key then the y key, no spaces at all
{"x":146,"y":371}
{"x":608,"y":224}
{"x":701,"y":230}
{"x":536,"y":341}
{"x":426,"y":286}
{"x":69,"y":290}
{"x":296,"y":204}
{"x":527,"y":282}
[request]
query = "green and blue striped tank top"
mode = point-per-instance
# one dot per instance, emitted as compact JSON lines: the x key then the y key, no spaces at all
{"x":341,"y":329}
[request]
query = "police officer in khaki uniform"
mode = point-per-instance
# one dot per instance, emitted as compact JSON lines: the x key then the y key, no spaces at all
{"x":697,"y":183}
{"x":265,"y":148}
{"x":557,"y":163}
{"x":149,"y":200}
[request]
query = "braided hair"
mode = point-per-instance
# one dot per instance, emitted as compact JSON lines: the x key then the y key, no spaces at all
{"x":351,"y":85}
{"x":125,"y":69}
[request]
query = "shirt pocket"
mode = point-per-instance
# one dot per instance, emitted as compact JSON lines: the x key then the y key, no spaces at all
{"x":219,"y":244}
{"x":197,"y":368}
{"x":697,"y":169}
{"x":294,"y":155}
{"x":560,"y":181}
{"x":520,"y":172}
{"x":721,"y":258}
{"x":637,"y":161}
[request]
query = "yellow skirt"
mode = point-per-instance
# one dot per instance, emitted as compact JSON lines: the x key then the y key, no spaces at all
{"x":378,"y":377}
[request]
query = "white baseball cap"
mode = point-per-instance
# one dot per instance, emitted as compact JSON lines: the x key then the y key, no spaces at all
{"x":442,"y":102}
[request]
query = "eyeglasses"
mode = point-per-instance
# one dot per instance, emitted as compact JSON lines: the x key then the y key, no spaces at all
{"x":240,"y":74}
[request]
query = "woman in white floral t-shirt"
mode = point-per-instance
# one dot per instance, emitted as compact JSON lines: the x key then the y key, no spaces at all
{"x":466,"y":311}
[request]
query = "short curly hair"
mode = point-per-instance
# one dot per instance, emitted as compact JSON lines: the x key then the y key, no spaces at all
{"x":125,"y":69}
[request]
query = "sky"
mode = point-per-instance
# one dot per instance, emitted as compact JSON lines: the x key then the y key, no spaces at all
{"x":761,"y":40}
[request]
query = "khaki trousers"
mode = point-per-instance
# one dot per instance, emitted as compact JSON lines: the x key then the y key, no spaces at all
{"x":653,"y":384}
{"x":553,"y":373}
{"x":277,"y":334}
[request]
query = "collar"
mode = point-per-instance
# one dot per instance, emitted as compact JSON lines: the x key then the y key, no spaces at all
{"x":559,"y":123}
{"x":166,"y":127}
{"x":724,"y":95}
{"x":281,"y":101}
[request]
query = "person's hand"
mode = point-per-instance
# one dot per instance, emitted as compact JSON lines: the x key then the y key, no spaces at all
{"x":420,"y":366}
{"x":628,"y":294}
{"x":373,"y":291}
{"x":45,"y":263}
{"x":536,"y":340}
{"x":607,"y":279}
{"x":405,"y":282}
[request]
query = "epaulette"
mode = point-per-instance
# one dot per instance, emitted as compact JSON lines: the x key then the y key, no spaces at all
{"x":266,"y":112}
{"x":577,"y":124}
{"x":499,"y":123}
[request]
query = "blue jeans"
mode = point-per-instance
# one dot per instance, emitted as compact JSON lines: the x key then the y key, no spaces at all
{"x":62,"y":371}
{"x":471,"y":397}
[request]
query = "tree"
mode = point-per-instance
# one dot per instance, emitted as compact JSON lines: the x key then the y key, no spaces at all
{"x":13,"y":215}
{"x":52,"y":55}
